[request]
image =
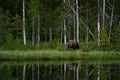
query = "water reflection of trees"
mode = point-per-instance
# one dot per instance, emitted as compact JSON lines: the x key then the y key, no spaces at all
{"x":65,"y":71}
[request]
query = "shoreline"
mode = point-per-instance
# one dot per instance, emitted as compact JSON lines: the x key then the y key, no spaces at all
{"x":11,"y":55}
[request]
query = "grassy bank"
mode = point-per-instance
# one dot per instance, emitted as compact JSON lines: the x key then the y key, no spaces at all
{"x":57,"y":55}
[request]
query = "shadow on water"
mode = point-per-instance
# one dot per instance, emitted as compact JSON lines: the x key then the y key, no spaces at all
{"x":60,"y":70}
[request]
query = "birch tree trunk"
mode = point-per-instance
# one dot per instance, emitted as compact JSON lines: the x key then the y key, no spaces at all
{"x":24,"y":32}
{"x":38,"y":29}
{"x":103,"y":13}
{"x":98,"y":23}
{"x":33,"y":30}
{"x":65,"y":37}
{"x":111,"y":21}
{"x":77,"y":21}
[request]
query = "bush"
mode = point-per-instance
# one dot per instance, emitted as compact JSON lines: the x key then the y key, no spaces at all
{"x":55,"y":44}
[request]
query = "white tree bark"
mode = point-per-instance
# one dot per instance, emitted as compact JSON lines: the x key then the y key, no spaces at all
{"x":24,"y":32}
{"x":103,"y":13}
{"x":77,"y":21}
{"x":98,"y":23}
{"x":65,"y":37}
{"x":38,"y":29}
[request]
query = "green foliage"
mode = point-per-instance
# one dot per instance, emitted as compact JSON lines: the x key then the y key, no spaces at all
{"x":104,"y":37}
{"x":16,"y":26}
{"x":117,"y":36}
{"x":2,"y":26}
{"x":55,"y":44}
{"x":34,"y":8}
{"x":9,"y":38}
{"x":11,"y":43}
{"x":117,"y":33}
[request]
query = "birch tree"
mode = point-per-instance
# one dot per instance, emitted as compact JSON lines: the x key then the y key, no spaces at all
{"x":103,"y":14}
{"x":98,"y":23}
{"x":65,"y":37}
{"x":77,"y":21}
{"x":24,"y":31}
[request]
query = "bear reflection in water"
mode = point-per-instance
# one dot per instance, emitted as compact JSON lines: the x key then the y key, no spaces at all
{"x":72,"y":66}
{"x":73,"y":44}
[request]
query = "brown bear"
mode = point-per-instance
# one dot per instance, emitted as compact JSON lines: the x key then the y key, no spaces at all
{"x":73,"y":44}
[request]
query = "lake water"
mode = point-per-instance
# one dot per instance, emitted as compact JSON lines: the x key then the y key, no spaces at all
{"x":60,"y":70}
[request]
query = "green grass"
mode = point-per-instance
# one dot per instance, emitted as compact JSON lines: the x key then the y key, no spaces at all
{"x":57,"y":55}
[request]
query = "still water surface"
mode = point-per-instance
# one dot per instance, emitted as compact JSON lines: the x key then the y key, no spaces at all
{"x":60,"y":70}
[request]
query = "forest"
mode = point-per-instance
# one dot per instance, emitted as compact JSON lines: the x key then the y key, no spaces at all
{"x":50,"y":24}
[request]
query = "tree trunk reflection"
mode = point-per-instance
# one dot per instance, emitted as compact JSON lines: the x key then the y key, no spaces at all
{"x":24,"y":69}
{"x":64,"y":71}
{"x":32,"y":71}
{"x":98,"y":78}
{"x":38,"y":72}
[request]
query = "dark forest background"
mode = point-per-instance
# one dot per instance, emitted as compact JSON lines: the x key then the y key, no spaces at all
{"x":44,"y":24}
